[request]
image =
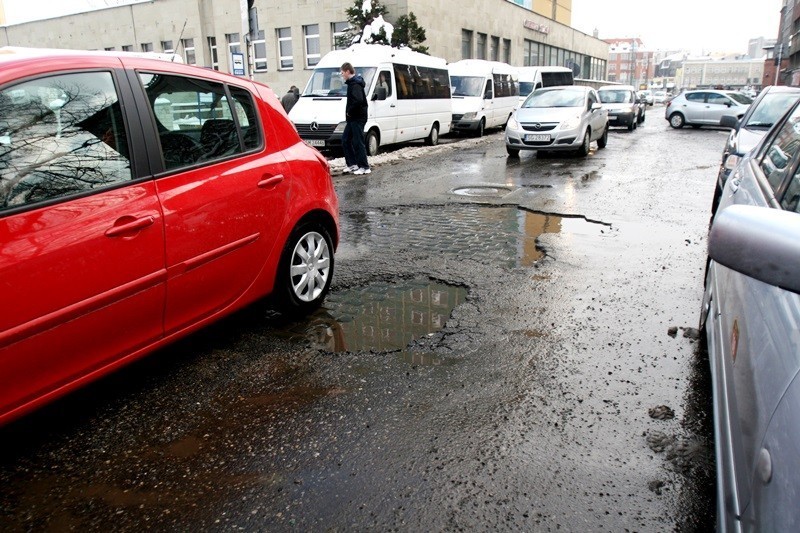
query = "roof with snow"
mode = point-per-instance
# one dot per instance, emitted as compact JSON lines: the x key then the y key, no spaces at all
{"x":367,"y":55}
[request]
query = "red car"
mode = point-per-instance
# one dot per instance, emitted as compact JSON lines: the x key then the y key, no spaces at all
{"x":141,"y":200}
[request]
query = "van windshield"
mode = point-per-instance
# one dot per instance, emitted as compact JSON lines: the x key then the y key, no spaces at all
{"x":467,"y":85}
{"x":329,"y":82}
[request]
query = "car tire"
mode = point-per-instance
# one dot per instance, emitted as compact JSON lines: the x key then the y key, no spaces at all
{"x":584,"y":148}
{"x":373,"y":143}
{"x":603,"y":140}
{"x":512,"y":152}
{"x":632,"y":125}
{"x":481,"y":128}
{"x":677,"y":121}
{"x":641,"y":117}
{"x":307,"y":256}
{"x":433,"y":137}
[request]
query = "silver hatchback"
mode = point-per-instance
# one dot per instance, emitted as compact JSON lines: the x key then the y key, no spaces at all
{"x":751,"y":320}
{"x":705,"y":107}
{"x":563,"y":118}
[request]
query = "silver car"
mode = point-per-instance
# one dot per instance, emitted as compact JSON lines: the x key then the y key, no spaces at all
{"x":705,"y":107}
{"x":745,"y":134}
{"x":564,"y":118}
{"x":624,"y":106}
{"x":751,"y":320}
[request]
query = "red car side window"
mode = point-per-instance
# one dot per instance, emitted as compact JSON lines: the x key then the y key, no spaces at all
{"x":60,"y":136}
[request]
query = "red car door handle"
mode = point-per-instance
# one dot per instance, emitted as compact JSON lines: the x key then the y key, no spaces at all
{"x":272,"y":181}
{"x":129,"y":224}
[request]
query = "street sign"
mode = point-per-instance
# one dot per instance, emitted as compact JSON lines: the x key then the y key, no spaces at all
{"x":237,"y":64}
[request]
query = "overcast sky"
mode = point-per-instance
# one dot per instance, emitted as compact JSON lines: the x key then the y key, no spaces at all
{"x":697,"y":25}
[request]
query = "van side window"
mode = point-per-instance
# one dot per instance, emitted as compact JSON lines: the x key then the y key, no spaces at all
{"x":385,"y":82}
{"x":505,"y":85}
{"x":61,"y":136}
{"x":487,"y":91}
{"x":421,"y":82}
{"x":194,"y":119}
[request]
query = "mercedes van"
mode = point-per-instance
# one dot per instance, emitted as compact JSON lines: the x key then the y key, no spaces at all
{"x":485,"y":94}
{"x":408,"y":93}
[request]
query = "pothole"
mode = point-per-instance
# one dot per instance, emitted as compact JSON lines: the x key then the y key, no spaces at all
{"x":382,"y":318}
{"x":481,"y":190}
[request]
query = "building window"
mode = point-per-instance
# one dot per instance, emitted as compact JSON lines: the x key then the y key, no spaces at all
{"x":481,"y":50}
{"x":285,"y":48}
{"x":466,"y":44}
{"x":260,"y":52}
{"x":147,"y":47}
{"x":338,"y":30}
{"x":234,"y":44}
{"x":167,"y":48}
{"x":507,"y":51}
{"x":494,"y":49}
{"x":127,"y":48}
{"x":109,"y":49}
{"x":188,"y":51}
{"x":212,"y":52}
{"x":311,"y":33}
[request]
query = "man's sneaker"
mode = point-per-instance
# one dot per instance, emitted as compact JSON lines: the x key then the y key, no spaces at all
{"x":350,"y":169}
{"x":362,"y":171}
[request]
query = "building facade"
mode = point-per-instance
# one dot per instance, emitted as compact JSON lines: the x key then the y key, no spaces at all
{"x":726,"y":73}
{"x":289,"y":38}
{"x":630,"y":63}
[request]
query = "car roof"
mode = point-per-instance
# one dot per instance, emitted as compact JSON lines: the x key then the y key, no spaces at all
{"x":9,"y":54}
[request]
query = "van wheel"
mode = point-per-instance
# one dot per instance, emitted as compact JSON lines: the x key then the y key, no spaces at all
{"x":372,"y":143}
{"x":305,"y":271}
{"x":433,"y":137}
{"x":482,"y":127}
{"x":587,"y":141}
{"x":676,"y":120}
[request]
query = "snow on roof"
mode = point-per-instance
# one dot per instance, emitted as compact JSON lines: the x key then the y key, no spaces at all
{"x":370,"y":55}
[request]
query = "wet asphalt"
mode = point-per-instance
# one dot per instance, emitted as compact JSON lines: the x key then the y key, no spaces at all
{"x":509,"y":344}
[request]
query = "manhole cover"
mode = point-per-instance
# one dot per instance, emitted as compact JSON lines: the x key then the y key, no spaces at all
{"x":481,"y":191}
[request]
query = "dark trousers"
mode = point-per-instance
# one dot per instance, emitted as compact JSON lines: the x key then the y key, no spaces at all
{"x":355,"y":152}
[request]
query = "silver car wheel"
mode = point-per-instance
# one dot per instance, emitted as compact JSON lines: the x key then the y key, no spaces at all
{"x":310,"y":266}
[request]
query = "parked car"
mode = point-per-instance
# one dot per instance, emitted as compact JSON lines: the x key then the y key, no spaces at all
{"x":751,"y":318}
{"x":647,"y":96}
{"x":705,"y":107}
{"x":139,"y":201}
{"x":558,"y":119}
{"x":766,"y":109}
{"x":624,"y":106}
{"x":659,"y":97}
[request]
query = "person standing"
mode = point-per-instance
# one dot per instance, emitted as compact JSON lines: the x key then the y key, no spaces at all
{"x":290,"y":98}
{"x":355,"y":153}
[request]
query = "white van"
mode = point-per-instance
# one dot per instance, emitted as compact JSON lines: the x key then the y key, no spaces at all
{"x":485,"y":94}
{"x":532,"y":78}
{"x":409,"y":96}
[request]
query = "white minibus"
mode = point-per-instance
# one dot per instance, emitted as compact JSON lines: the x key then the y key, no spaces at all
{"x":485,"y":94}
{"x":532,"y":78}
{"x":408,"y":93}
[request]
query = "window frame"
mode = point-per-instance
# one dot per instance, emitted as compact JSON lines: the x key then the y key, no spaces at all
{"x":213,"y":52}
{"x":310,"y":37}
{"x":336,"y":34}
{"x":187,"y":49}
{"x":260,"y":62}
{"x":289,"y":59}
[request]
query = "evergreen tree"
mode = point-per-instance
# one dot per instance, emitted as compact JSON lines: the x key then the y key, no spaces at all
{"x":409,"y":33}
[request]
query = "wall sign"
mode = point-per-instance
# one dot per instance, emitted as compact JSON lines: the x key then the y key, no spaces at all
{"x":535,"y":26}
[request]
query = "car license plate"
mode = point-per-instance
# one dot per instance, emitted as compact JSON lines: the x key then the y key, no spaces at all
{"x":316,"y":142}
{"x":537,"y":137}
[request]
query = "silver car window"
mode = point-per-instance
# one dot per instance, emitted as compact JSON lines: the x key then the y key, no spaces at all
{"x":779,"y":156}
{"x":791,"y":198}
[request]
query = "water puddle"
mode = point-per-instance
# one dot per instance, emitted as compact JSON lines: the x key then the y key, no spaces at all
{"x":382,"y":318}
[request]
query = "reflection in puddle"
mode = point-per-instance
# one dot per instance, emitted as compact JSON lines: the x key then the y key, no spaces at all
{"x":481,"y":190}
{"x":533,"y":225}
{"x":384,"y":318}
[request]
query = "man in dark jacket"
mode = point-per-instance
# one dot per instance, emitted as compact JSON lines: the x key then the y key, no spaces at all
{"x":290,"y":98}
{"x":355,"y":153}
